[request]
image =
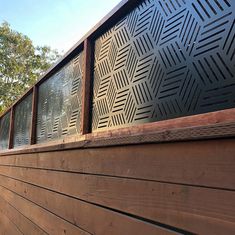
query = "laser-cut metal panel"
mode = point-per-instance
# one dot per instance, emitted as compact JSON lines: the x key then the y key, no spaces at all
{"x":22,"y":122}
{"x":165,"y":59}
{"x":4,"y":131}
{"x":59,"y":103}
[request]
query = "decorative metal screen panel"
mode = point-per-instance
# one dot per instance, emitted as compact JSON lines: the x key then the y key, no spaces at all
{"x":4,"y":131}
{"x":59,"y":105}
{"x":165,"y":59}
{"x":22,"y":122}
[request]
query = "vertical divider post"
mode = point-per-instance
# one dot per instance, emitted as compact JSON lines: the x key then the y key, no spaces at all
{"x":11,"y":129}
{"x":86,"y":88}
{"x":33,"y":128}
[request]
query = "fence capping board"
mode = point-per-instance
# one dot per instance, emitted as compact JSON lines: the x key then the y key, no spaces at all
{"x":219,"y":124}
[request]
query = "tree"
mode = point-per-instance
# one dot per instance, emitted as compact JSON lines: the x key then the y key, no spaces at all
{"x":21,"y":64}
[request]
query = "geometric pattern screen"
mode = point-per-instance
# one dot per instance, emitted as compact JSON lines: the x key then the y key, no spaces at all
{"x":165,"y":59}
{"x":22,"y":122}
{"x":59,"y":103}
{"x":4,"y":131}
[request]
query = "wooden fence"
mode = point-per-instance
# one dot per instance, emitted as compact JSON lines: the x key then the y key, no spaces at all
{"x":131,"y":132}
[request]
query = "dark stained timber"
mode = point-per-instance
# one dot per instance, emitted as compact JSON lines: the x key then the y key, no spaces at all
{"x":4,"y":131}
{"x":165,"y":59}
{"x":59,"y":102}
{"x":22,"y":122}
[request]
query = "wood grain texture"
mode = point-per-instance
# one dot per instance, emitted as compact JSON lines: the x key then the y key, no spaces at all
{"x":94,"y":219}
{"x":7,"y":227}
{"x":45,"y":220}
{"x":193,"y":163}
{"x":24,"y":225}
{"x":172,"y":204}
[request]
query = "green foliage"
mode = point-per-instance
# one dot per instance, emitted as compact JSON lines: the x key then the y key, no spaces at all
{"x":21,"y":64}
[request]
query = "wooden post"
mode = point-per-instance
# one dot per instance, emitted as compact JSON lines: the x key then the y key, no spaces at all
{"x":33,"y":129}
{"x":86,"y":88}
{"x":11,"y":129}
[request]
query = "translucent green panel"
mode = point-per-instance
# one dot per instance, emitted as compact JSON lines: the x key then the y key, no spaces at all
{"x":4,"y":131}
{"x":22,"y":122}
{"x":59,"y":104}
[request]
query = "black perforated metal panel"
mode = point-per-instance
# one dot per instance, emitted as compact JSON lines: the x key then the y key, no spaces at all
{"x":22,"y":122}
{"x":4,"y":131}
{"x":59,"y":105}
{"x":165,"y":59}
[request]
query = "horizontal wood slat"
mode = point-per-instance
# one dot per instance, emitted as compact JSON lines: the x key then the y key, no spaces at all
{"x":175,"y":205}
{"x":7,"y":226}
{"x":24,"y":225}
{"x":194,"y":163}
{"x":44,"y":219}
{"x":96,"y":220}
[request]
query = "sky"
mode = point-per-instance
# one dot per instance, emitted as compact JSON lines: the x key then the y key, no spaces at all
{"x":55,"y":23}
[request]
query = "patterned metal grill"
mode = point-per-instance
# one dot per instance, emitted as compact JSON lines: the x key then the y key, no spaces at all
{"x":59,"y":105}
{"x":165,"y":59}
{"x":4,"y":131}
{"x":22,"y":122}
